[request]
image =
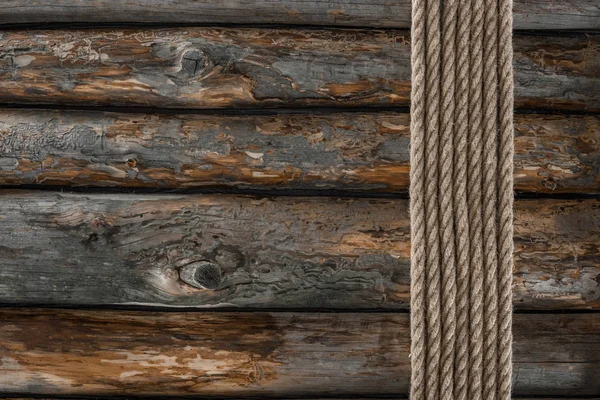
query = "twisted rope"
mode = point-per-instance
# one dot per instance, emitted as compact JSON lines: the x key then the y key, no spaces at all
{"x":459,"y":194}
{"x":461,"y":199}
{"x":417,"y":204}
{"x":505,"y":197}
{"x":490,"y":166}
{"x":475,"y":201}
{"x":432,"y":226}
{"x":446,"y":203}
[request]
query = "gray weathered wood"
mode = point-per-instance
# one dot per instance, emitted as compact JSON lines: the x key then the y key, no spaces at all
{"x":263,"y":354}
{"x":252,"y":67}
{"x":343,"y":151}
{"x":284,"y":252}
{"x":528,"y":14}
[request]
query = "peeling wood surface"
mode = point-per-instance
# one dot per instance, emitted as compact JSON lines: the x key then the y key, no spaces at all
{"x":557,"y":254}
{"x":557,"y":154}
{"x":366,"y":152}
{"x":345,"y":151}
{"x":268,"y":354}
{"x":255,"y":67}
{"x":528,"y":14}
{"x":283,"y":252}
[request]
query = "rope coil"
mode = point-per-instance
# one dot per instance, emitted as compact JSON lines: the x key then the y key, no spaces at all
{"x":461,"y":199}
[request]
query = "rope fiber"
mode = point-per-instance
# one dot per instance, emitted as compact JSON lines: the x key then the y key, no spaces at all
{"x":461,"y":199}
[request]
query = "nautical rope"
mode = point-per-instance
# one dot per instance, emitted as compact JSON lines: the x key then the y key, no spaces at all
{"x":461,"y":199}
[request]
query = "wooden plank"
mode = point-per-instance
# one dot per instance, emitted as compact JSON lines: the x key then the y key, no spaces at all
{"x":283,"y":252}
{"x":346,"y":151}
{"x":215,"y":68}
{"x":263,"y":354}
{"x":528,"y":14}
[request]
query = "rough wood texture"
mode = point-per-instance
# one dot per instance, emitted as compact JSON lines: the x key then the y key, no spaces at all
{"x":557,"y":154}
{"x":355,"y":152}
{"x":264,"y":354}
{"x":284,"y":252}
{"x":528,"y":14}
{"x":214,"y":68}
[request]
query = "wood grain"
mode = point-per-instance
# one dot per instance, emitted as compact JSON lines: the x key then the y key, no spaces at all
{"x":356,"y":152}
{"x":528,"y":14}
{"x":250,"y":252}
{"x":263,"y":354}
{"x":252,"y":67}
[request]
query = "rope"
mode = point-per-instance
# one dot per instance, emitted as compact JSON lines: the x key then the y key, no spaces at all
{"x":461,"y":199}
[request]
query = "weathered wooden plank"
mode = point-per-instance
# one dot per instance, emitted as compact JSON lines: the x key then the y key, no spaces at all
{"x":283,"y":252}
{"x":215,"y":68}
{"x":333,"y":151}
{"x":528,"y":14}
{"x":345,"y":151}
{"x":557,"y":254}
{"x":267,"y":354}
{"x":557,"y":154}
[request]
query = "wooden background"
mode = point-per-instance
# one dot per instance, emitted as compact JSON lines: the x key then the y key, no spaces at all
{"x":209,"y":199}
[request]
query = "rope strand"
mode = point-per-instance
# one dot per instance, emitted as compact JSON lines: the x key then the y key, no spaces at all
{"x":505,"y":198}
{"x":459,"y":194}
{"x":417,"y":204}
{"x":446,"y":202}
{"x":432,"y":226}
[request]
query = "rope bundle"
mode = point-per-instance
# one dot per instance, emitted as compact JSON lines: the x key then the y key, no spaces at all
{"x":461,"y":199}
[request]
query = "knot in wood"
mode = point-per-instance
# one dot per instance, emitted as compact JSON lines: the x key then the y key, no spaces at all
{"x":193,"y":62}
{"x":202,"y":275}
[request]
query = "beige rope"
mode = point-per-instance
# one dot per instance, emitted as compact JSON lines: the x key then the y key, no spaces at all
{"x":461,"y":199}
{"x":417,"y":203}
{"x":459,"y":194}
{"x":505,"y":197}
{"x":475,"y":144}
{"x":446,"y":203}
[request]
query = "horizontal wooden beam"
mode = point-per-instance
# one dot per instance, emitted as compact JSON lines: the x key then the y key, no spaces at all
{"x":356,"y":152}
{"x":283,"y":252}
{"x":251,"y":67}
{"x":528,"y":14}
{"x":263,"y":354}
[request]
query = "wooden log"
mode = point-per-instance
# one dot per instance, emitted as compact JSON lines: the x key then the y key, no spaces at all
{"x":283,"y":252}
{"x":215,"y":68}
{"x":346,"y":152}
{"x":557,"y":154}
{"x":528,"y":14}
{"x":263,"y":354}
